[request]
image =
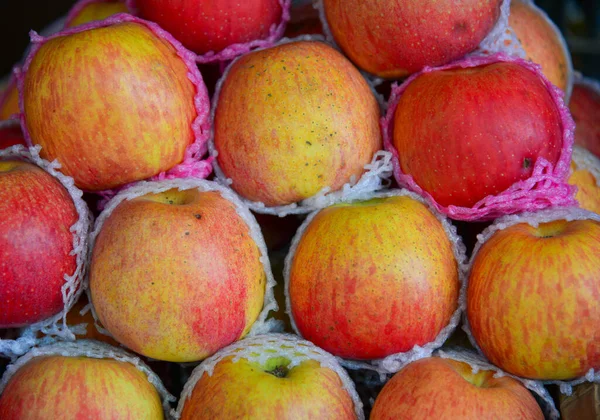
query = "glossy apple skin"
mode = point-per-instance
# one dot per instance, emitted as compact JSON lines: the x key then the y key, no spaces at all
{"x":243,"y":389}
{"x":98,"y":10}
{"x":465,"y":134}
{"x":447,"y":389}
{"x":212,"y":25}
{"x":292,"y":120}
{"x":532,"y":301}
{"x":137,"y":97}
{"x":190,"y":273}
{"x":36,"y":214}
{"x":585,"y":108}
{"x":540,"y":42}
{"x":588,"y":188}
{"x":373,"y":279}
{"x":59,"y":387}
{"x":393,"y":39}
{"x":11,"y":136}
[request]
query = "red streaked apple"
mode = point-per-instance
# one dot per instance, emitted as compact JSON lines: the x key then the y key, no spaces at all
{"x":585,"y":175}
{"x":373,"y":278}
{"x":585,"y":108}
{"x":532,"y":299}
{"x":447,"y":389}
{"x":9,"y":101}
{"x":270,"y":377}
{"x":64,"y":387}
{"x":11,"y":134}
{"x":86,"y":11}
{"x":212,"y":25}
{"x":36,"y":215}
{"x":292,"y":120}
{"x":132,"y":95}
{"x":542,"y":42}
{"x":74,"y":318}
{"x":176,"y":275}
{"x":393,"y":39}
{"x":467,"y":133}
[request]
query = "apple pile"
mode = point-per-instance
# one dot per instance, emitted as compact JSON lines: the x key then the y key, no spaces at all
{"x":277,"y":239}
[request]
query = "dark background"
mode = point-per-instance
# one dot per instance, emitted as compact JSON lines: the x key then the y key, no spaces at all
{"x":578,"y":19}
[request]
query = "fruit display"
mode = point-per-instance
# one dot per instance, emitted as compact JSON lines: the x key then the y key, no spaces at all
{"x":307,"y":209}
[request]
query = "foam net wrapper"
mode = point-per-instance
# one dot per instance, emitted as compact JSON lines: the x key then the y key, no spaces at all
{"x":501,"y":38}
{"x":393,"y":362}
{"x":55,"y":326}
{"x":262,"y":325}
{"x":192,"y":165}
{"x":533,"y":219}
{"x":261,"y":348}
{"x":546,"y":187}
{"x":94,"y":350}
{"x":586,"y":161}
{"x":235,"y":50}
{"x":375,"y":177}
{"x":477,"y":364}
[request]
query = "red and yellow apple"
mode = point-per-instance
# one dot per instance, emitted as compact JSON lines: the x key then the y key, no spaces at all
{"x":11,"y":135}
{"x":467,"y":133}
{"x":90,"y":10}
{"x":292,"y":120}
{"x":373,"y":278}
{"x":36,"y":215}
{"x":393,"y":39}
{"x":74,"y":318}
{"x":113,"y":104}
{"x":448,"y":389}
{"x":244,"y":387}
{"x":586,"y":179}
{"x":176,"y":275}
{"x":585,"y":108}
{"x":62,"y":387}
{"x":9,"y":101}
{"x":532,"y":299}
{"x":541,"y":41}
{"x":212,"y":25}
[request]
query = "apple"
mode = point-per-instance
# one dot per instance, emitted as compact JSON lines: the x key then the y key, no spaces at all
{"x":473,"y":129}
{"x":444,"y":388}
{"x":36,"y":215}
{"x":213,"y":25}
{"x":176,"y":275}
{"x":269,"y":377}
{"x":122,"y":103}
{"x":542,"y":42}
{"x":86,"y":11}
{"x":59,"y":386}
{"x":11,"y":134}
{"x":393,"y":39}
{"x":74,"y":318}
{"x":532,"y":296}
{"x":585,"y":174}
{"x":373,"y":278}
{"x":9,"y":100}
{"x":292,"y":120}
{"x":585,"y":108}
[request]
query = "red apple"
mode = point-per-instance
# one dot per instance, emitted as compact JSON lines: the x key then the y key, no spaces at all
{"x":532,"y":298}
{"x":86,"y":11}
{"x":464,"y":134}
{"x":11,"y":134}
{"x":448,"y":389}
{"x":57,"y":386}
{"x":542,"y":42}
{"x":292,"y":120}
{"x":585,"y":108}
{"x":36,"y":215}
{"x":374,"y":278}
{"x":392,"y":39}
{"x":176,"y":275}
{"x":114,"y":103}
{"x":212,"y":25}
{"x":269,"y":377}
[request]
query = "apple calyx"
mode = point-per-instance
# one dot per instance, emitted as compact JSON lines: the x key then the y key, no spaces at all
{"x":551,"y":229}
{"x":278,"y":367}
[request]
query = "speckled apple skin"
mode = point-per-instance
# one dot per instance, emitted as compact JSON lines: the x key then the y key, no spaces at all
{"x":292,"y":120}
{"x":373,"y":279}
{"x":532,"y":301}
{"x":177,"y":282}
{"x":59,"y":387}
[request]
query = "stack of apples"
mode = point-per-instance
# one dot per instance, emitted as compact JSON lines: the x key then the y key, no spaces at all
{"x":370,"y":200}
